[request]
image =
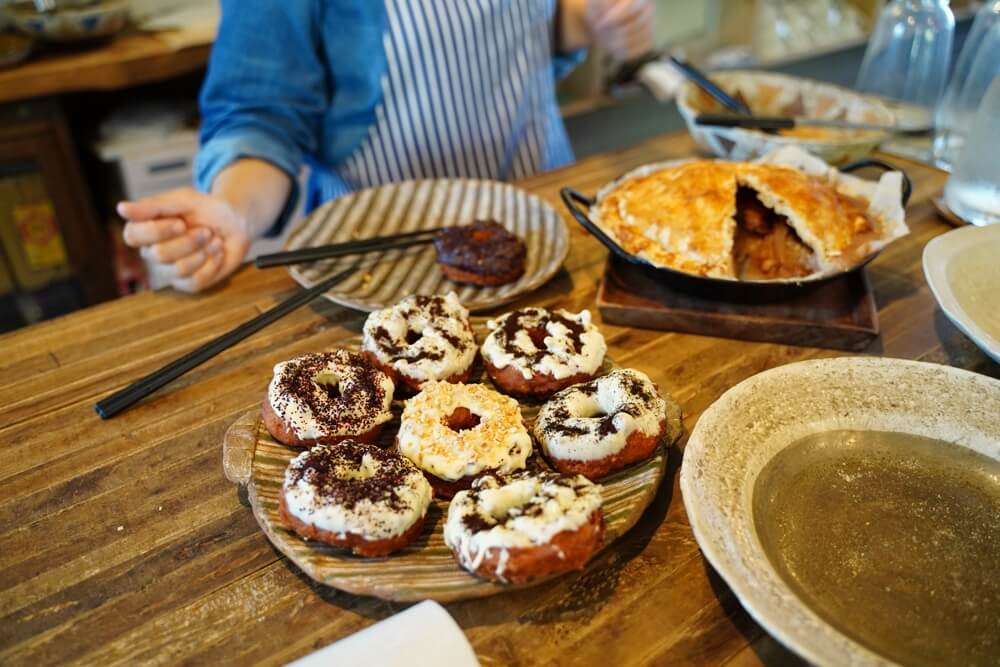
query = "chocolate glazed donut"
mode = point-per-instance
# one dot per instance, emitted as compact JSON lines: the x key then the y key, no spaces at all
{"x":483,"y":253}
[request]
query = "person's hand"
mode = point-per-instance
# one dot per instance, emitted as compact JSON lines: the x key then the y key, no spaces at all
{"x":198,"y":239}
{"x":623,"y":28}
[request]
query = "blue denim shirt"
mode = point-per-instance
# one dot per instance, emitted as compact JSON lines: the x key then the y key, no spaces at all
{"x":293,"y":81}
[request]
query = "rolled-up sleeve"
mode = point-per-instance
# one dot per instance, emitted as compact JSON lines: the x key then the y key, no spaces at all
{"x":266,"y":90}
{"x":564,"y":63}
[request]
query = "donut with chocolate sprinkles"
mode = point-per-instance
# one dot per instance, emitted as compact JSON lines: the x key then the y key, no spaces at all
{"x":355,"y":496}
{"x":421,"y":338}
{"x":481,"y":253}
{"x":534,"y":352}
{"x":327,"y":397}
{"x":604,"y":425}
{"x":529,"y":525}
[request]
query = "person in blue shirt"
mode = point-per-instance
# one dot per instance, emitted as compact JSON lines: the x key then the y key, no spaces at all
{"x":367,"y":93}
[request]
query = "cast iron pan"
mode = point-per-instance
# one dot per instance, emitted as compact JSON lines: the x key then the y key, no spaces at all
{"x":738,"y":291}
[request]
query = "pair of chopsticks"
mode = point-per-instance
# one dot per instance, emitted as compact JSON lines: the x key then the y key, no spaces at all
{"x":788,"y":122}
{"x":135,"y":392}
{"x":390,"y":242}
{"x":740,"y":115}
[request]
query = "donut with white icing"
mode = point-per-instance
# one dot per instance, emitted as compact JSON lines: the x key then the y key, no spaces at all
{"x":532,"y":524}
{"x":355,"y":496}
{"x":327,"y":397}
{"x":601,"y":426}
{"x":421,"y":338}
{"x":535,"y":352}
{"x":457,"y":432}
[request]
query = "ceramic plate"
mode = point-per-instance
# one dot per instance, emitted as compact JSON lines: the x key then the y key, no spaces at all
{"x":783,"y":95}
{"x":426,"y":569}
{"x":412,"y":205}
{"x":854,"y":408}
{"x":963,"y":272}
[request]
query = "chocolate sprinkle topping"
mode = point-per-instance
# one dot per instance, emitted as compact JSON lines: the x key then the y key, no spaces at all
{"x":403,"y":349}
{"x":515,"y":321}
{"x":555,"y":413}
{"x":351,"y":407}
{"x":322,"y":468}
{"x":478,"y":521}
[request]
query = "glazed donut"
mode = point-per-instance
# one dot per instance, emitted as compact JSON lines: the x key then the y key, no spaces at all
{"x":456,"y":432}
{"x":603,"y":425}
{"x":421,"y":338}
{"x":534,"y":352}
{"x":482,"y":253}
{"x":327,"y":397}
{"x":356,"y":496}
{"x":531,"y":525}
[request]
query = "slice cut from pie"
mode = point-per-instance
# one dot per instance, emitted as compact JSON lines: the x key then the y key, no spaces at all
{"x":744,"y":221}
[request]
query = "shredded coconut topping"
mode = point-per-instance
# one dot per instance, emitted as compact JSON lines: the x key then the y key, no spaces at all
{"x":526,"y":510}
{"x":330,"y":394}
{"x":498,"y":442}
{"x":422,"y":337}
{"x":593,"y":420}
{"x":535,"y":340}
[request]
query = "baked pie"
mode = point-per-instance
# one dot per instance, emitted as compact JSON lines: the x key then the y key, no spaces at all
{"x":751,"y":220}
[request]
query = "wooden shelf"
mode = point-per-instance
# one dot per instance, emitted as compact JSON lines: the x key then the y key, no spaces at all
{"x":129,"y":59}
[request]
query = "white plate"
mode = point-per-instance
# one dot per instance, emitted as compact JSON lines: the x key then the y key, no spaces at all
{"x":768,"y":92}
{"x":386,"y":277}
{"x":967,"y":259}
{"x":750,"y":424}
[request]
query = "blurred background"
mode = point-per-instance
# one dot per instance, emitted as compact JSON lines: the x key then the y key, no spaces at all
{"x":98,"y":103}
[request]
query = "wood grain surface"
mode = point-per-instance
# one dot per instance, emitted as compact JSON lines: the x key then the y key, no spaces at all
{"x":128,"y":59}
{"x":839,"y":314}
{"x":121,"y":541}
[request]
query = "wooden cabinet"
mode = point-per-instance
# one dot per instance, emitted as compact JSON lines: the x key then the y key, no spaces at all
{"x":51,"y":242}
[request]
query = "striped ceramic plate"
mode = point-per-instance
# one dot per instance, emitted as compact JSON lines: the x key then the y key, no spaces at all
{"x":426,"y":568}
{"x":387,"y":277}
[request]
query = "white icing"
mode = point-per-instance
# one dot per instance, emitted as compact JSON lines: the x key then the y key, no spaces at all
{"x":559,"y":503}
{"x":338,"y":368}
{"x":613,"y":396}
{"x":499,"y":442}
{"x":371,"y":519}
{"x":408,"y":315}
{"x":560,"y":359}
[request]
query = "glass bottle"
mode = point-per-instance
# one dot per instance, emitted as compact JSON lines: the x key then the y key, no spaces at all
{"x":978,"y":65}
{"x":908,"y":55}
{"x":973,"y":189}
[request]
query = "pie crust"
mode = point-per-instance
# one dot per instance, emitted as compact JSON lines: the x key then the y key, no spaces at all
{"x":788,"y":216}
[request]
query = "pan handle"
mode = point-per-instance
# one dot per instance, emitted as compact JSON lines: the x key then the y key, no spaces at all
{"x":571,"y":198}
{"x":884,"y":166}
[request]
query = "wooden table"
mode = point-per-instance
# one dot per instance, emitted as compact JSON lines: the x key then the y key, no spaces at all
{"x":128,"y":59}
{"x":121,"y":541}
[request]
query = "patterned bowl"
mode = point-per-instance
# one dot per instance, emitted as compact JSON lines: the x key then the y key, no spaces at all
{"x":69,"y":22}
{"x":13,"y":48}
{"x":781,"y":95}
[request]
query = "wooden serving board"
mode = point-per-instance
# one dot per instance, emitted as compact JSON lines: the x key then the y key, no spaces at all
{"x":425,"y":569}
{"x":840,"y":314}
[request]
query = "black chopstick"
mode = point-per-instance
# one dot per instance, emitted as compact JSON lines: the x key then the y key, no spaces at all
{"x":390,"y":242}
{"x":139,"y":389}
{"x":706,"y":84}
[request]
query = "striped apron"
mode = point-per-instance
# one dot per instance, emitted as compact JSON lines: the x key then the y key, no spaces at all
{"x":468,"y":92}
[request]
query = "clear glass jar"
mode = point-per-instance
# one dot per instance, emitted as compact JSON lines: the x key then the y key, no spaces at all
{"x":978,"y":65}
{"x":973,"y":189}
{"x":909,"y":53}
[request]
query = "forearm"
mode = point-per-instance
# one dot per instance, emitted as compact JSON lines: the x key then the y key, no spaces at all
{"x":257,"y":191}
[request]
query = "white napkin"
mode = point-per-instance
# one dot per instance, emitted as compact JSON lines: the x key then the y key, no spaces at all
{"x":424,"y":634}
